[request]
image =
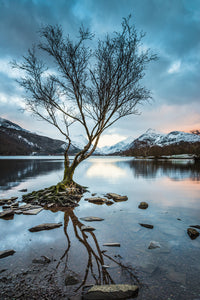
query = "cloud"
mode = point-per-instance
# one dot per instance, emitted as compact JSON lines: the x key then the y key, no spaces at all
{"x":173,"y":32}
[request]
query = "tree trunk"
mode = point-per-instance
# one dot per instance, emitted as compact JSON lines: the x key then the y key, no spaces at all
{"x":68,"y":175}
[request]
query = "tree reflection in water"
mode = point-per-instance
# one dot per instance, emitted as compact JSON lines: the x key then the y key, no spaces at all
{"x":96,"y":258}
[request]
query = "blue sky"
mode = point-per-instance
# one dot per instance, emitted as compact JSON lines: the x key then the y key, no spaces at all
{"x":172,"y":31}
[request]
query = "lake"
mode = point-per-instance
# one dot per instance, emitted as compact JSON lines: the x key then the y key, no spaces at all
{"x":172,"y":191}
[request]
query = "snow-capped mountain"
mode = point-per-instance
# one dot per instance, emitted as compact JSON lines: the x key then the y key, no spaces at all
{"x":151,"y":138}
{"x":14,"y":140}
{"x":121,"y":146}
{"x":79,"y":141}
{"x":155,"y":144}
{"x":8,"y":124}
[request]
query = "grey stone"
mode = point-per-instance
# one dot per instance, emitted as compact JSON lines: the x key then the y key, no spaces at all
{"x":87,"y":228}
{"x":6,"y":253}
{"x":193,"y":233}
{"x":6,"y":213}
{"x":96,"y":200}
{"x":112,"y":244}
{"x":116,"y":197}
{"x":154,"y":245}
{"x":91,"y":219}
{"x":112,"y":291}
{"x":143,"y":205}
{"x":45,"y":226}
{"x":34,"y":211}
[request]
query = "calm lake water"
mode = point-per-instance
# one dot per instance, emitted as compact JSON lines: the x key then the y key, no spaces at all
{"x":172,"y":190}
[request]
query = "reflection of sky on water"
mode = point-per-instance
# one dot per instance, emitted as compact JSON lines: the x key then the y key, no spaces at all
{"x":149,"y":181}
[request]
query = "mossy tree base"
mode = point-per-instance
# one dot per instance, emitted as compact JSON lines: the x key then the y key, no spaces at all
{"x":62,"y":195}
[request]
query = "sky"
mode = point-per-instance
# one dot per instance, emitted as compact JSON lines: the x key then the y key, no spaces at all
{"x":172,"y":32}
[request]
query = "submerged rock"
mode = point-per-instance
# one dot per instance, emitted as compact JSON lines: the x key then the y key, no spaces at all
{"x":6,"y":253}
{"x":154,"y":245}
{"x":45,"y":226}
{"x":91,"y":219}
{"x":112,"y":244}
{"x":71,"y":280}
{"x":23,"y":190}
{"x":112,"y":291}
{"x":146,"y":225}
{"x":143,"y":205}
{"x":193,"y":233}
{"x":174,"y":276}
{"x":116,"y":197}
{"x":44,"y":260}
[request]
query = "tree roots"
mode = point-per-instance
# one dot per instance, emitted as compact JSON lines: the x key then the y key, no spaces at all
{"x":60,"y":195}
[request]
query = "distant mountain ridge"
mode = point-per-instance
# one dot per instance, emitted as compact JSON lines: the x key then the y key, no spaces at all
{"x":14,"y":140}
{"x":155,"y":144}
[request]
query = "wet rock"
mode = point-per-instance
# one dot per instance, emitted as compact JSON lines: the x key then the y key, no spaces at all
{"x":93,"y":194}
{"x":116,"y":197}
{"x":18,"y":212}
{"x":34,"y":211}
{"x":71,"y":280}
{"x":23,"y":190}
{"x":6,"y":206}
{"x":91,"y":219}
{"x":154,"y":245}
{"x":112,"y":291}
{"x":6,"y":213}
{"x":112,"y":244}
{"x":45,"y":226}
{"x":44,"y":260}
{"x":143,"y":205}
{"x":7,"y":201}
{"x":148,"y":267}
{"x":146,"y":225}
{"x":96,"y":200}
{"x":109,"y":202}
{"x":6,"y":253}
{"x":195,"y":226}
{"x":193,"y":233}
{"x":15,"y":205}
{"x":87,"y":228}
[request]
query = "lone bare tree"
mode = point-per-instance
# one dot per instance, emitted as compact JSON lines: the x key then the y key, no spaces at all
{"x":93,"y":86}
